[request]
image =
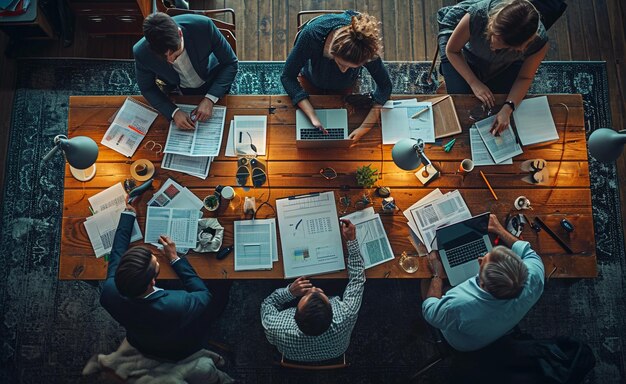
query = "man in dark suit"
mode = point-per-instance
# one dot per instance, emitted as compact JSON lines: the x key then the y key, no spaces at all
{"x":168,"y":324}
{"x":185,"y":51}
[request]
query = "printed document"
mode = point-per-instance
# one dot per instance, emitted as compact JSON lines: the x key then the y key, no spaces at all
{"x":174,"y":195}
{"x":113,"y":198}
{"x":205,"y":140}
{"x":129,"y":127}
{"x":534,"y":122}
{"x":310,"y":234}
{"x":197,"y":166}
{"x":254,"y":244}
{"x":250,"y":130}
{"x":398,"y":123}
{"x":480,"y":154}
{"x":432,"y":196}
{"x":501,"y":147}
{"x":448,"y":209}
{"x":370,"y":233}
{"x":101,"y":229}
{"x":180,"y":224}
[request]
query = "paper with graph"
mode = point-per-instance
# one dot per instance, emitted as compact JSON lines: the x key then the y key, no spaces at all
{"x":254,"y":244}
{"x":310,"y":234}
{"x":370,"y":233}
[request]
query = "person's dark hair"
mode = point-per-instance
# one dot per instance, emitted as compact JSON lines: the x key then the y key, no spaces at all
{"x":514,"y":21}
{"x":315,"y":317}
{"x":135,"y":272}
{"x":505,"y":274}
{"x":358,"y":42}
{"x":161,"y":32}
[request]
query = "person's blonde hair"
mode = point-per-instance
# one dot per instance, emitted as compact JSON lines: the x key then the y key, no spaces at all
{"x":505,"y":274}
{"x":514,"y":21}
{"x":358,"y":42}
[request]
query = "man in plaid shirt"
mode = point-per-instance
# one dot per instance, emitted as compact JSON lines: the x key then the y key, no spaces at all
{"x":319,"y":328}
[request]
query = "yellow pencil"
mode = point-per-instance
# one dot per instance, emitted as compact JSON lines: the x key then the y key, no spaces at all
{"x":488,"y":185}
{"x":419,"y":113}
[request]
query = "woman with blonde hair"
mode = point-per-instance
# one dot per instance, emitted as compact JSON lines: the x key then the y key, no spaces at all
{"x":491,"y":46}
{"x":327,"y":58}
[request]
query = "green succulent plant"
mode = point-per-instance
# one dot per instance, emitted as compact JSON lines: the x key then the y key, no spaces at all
{"x":366,"y":176}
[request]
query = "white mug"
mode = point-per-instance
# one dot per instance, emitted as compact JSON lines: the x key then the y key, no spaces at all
{"x":228,"y":193}
{"x":466,"y":166}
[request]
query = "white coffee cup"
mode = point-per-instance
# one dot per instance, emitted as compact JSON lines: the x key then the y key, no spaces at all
{"x":228,"y":193}
{"x":466,"y":166}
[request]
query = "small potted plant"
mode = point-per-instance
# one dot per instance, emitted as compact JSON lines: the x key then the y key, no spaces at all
{"x":211,"y":202}
{"x":366,"y":177}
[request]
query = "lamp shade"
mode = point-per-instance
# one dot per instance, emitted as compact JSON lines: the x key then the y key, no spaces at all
{"x":606,"y":145}
{"x":405,"y":154}
{"x":81,"y":152}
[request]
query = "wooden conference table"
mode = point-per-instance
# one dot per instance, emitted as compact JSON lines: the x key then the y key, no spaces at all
{"x":294,"y":171}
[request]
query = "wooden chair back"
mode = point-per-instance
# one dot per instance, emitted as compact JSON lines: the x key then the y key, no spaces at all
{"x":318,"y":13}
{"x":340,"y":363}
{"x":228,"y":30}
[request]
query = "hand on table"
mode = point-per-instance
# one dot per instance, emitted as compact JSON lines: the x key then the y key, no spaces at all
{"x":483,"y":93}
{"x":204,"y":111}
{"x":434,"y":262}
{"x":501,"y":122}
{"x":318,"y":124}
{"x":169,"y":247}
{"x":358,"y":133}
{"x":183,"y":121}
{"x":348,"y":230}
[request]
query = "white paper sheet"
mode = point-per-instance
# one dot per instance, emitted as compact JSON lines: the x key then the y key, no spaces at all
{"x":129,"y":127}
{"x":101,"y":229}
{"x":480,"y":154}
{"x":310,"y":235}
{"x":250,"y":130}
{"x":230,"y":141}
{"x":433,"y":195}
{"x":534,"y":122}
{"x":180,"y":224}
{"x":205,"y":140}
{"x":197,"y":166}
{"x":174,"y":195}
{"x":501,"y":147}
{"x":113,"y":198}
{"x":370,"y":233}
{"x":254,"y":244}
{"x":397,"y":123}
{"x":448,"y":209}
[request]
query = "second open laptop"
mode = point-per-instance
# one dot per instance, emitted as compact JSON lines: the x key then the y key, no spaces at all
{"x":461,"y":244}
{"x":335,"y":121}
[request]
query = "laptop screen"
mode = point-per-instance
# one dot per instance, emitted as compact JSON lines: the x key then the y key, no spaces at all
{"x":463,"y":232}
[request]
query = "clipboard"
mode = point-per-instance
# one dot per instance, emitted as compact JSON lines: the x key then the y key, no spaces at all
{"x":446,"y":120}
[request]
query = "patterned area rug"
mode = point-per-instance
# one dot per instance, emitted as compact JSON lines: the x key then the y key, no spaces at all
{"x":49,"y":328}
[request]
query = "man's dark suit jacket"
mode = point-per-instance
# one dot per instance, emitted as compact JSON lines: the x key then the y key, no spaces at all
{"x":169,"y":323}
{"x":209,"y":52}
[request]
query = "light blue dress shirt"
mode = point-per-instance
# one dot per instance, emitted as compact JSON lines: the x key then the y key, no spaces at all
{"x":470,"y":318}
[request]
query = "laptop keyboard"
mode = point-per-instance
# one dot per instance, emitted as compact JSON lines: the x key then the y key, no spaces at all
{"x":464,"y":253}
{"x":316,"y":134}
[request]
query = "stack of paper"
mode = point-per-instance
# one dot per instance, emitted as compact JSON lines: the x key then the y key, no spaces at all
{"x":372,"y":238}
{"x":107,"y":207}
{"x":129,"y":127}
{"x":534,"y":121}
{"x":255,"y":244}
{"x":174,"y":211}
{"x":433,"y":211}
{"x":245,"y":132}
{"x":192,"y":151}
{"x":501,"y":148}
{"x":407,"y":119}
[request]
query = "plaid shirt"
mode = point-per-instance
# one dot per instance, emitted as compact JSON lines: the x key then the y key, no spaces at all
{"x":283,"y":332}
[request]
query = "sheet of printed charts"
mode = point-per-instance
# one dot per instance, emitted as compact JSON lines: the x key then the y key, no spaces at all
{"x":310,"y":234}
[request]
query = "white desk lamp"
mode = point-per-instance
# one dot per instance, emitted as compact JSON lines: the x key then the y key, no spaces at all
{"x":408,"y":154}
{"x":81,"y":152}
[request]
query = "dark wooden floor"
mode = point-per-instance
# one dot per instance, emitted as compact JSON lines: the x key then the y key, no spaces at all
{"x":589,"y":30}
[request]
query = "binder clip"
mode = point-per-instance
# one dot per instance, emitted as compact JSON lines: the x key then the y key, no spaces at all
{"x":449,"y":145}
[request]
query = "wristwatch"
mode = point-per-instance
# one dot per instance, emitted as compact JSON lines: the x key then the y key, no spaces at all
{"x":511,"y":104}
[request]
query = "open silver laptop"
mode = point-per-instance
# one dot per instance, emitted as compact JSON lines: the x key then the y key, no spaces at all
{"x":460,"y":246}
{"x":335,"y":121}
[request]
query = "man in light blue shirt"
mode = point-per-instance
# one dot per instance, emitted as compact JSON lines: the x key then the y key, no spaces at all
{"x":480,"y":310}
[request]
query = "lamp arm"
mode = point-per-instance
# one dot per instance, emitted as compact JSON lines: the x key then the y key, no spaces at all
{"x":55,"y":149}
{"x":427,"y":161}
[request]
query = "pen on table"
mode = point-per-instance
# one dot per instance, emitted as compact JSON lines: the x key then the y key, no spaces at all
{"x":416,"y":115}
{"x":488,"y":185}
{"x":240,"y":136}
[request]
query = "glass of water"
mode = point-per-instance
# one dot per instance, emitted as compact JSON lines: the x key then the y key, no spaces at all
{"x":409,"y":262}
